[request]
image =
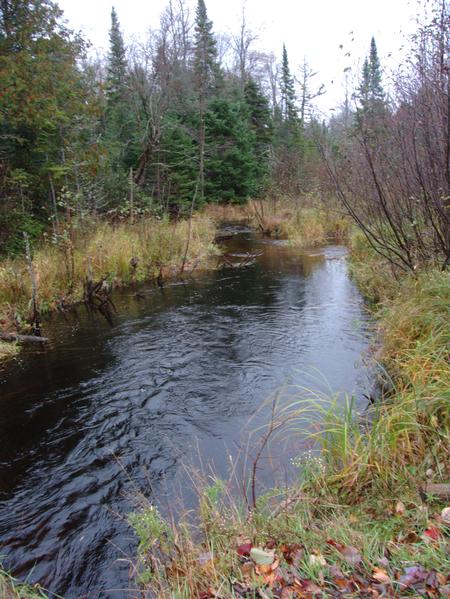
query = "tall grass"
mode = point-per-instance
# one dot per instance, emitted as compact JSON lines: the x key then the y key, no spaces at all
{"x":100,"y":250}
{"x":304,"y":221}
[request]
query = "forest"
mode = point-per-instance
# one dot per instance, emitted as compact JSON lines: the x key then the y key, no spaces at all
{"x":120,"y":171}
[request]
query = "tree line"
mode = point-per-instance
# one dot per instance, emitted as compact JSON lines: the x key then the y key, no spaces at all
{"x":161,"y":122}
{"x":185,"y":117}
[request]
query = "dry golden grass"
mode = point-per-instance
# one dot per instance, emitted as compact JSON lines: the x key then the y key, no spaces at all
{"x":305,"y":221}
{"x":105,"y":251}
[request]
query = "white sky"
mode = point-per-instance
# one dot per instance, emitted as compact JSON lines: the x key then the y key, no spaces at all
{"x":311,"y":28}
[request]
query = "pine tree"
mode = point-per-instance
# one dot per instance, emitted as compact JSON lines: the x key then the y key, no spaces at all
{"x":117,"y":63}
{"x":207,"y":75}
{"x":260,"y":122}
{"x":370,"y":92}
{"x":207,"y":71}
{"x":120,"y":129}
{"x":288,"y":97}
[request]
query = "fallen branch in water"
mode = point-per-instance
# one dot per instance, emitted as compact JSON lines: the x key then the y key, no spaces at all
{"x":22,"y":338}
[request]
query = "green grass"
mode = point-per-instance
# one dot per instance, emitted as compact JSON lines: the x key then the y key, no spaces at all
{"x":10,"y":588}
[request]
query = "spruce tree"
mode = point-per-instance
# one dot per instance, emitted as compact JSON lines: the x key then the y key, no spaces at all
{"x":207,"y":74}
{"x":376,"y":88}
{"x":207,"y":71}
{"x":260,"y":122}
{"x":120,"y":134}
{"x":288,"y":97}
{"x":117,"y":63}
{"x":370,"y":92}
{"x":231,"y":165}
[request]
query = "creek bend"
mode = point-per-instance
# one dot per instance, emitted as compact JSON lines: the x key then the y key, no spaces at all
{"x":109,"y":411}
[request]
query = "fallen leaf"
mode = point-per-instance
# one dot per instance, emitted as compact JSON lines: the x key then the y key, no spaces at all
{"x":267,"y":568}
{"x":445,"y":516}
{"x":338,"y":577}
{"x":261,"y":557}
{"x":244,"y":549}
{"x":400,"y":508}
{"x":293,"y":554}
{"x":432,"y":580}
{"x":412,"y":576}
{"x":351,"y":555}
{"x":312,"y":587}
{"x":432,"y":533}
{"x":381,"y":576}
{"x":409,"y":537}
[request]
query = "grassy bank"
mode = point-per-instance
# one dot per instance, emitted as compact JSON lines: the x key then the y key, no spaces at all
{"x":304,"y":221}
{"x":118,"y":253}
{"x":10,"y":588}
{"x":360,"y":521}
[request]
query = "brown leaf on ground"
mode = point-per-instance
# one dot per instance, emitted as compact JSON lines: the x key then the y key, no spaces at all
{"x":381,"y":576}
{"x":293,"y":554}
{"x":412,"y":576}
{"x":351,"y":555}
{"x":408,"y":538}
{"x":209,"y":594}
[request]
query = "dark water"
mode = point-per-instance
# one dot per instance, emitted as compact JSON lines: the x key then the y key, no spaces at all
{"x":107,"y":412}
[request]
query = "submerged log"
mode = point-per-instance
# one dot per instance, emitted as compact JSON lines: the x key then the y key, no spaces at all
{"x":22,"y":338}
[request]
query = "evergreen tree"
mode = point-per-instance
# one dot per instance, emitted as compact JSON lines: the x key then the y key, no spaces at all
{"x":121,"y":134}
{"x":117,"y":63}
{"x":43,"y":96}
{"x":231,"y":163}
{"x":376,"y":88}
{"x":288,"y":97}
{"x":370,"y":92}
{"x":207,"y":73}
{"x":206,"y":68}
{"x":260,"y":122}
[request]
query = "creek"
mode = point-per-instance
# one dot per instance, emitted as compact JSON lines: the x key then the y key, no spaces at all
{"x":108,"y":412}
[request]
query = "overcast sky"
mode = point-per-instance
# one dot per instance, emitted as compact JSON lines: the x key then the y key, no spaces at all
{"x":314,"y":29}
